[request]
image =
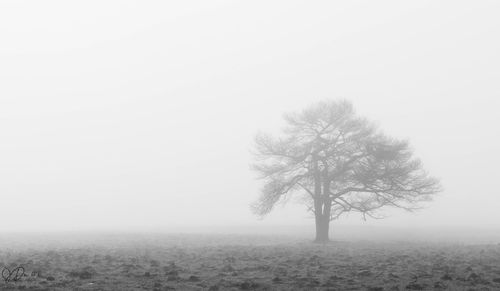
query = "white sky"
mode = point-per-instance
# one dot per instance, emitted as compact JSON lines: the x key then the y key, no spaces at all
{"x":121,"y":115}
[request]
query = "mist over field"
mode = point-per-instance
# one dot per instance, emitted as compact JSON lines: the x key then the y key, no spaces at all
{"x":133,"y":138}
{"x":137,"y":115}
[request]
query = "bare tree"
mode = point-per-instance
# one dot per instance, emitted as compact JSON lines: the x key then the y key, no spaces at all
{"x":342,"y":163}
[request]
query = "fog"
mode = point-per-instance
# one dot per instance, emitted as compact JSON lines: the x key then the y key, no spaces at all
{"x":140,"y":116}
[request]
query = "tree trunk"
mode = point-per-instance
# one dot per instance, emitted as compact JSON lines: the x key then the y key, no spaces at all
{"x":322,"y":202}
{"x":322,"y":229}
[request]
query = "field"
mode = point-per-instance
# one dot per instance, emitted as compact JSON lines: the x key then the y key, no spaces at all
{"x":243,"y":262}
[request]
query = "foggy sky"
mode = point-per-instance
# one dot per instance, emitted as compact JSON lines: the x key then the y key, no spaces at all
{"x":141,"y":114}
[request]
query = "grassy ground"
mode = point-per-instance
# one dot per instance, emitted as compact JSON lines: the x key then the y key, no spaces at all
{"x":221,"y":262}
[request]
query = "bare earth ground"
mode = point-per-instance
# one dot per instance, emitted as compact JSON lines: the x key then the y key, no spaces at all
{"x":221,"y":262}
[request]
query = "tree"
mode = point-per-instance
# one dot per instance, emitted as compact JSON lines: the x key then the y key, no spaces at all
{"x":341,"y":163}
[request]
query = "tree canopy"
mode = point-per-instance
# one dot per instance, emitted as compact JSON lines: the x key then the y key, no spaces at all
{"x":341,"y":162}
